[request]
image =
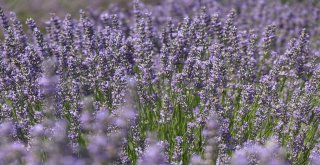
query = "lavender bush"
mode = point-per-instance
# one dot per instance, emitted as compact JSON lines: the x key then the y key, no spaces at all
{"x":193,"y":82}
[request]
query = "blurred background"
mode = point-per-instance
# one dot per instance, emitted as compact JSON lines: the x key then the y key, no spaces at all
{"x":40,"y":9}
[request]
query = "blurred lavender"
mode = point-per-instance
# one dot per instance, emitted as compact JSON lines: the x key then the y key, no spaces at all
{"x":177,"y":82}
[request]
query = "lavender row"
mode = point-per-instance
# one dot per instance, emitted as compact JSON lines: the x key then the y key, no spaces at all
{"x":193,"y":82}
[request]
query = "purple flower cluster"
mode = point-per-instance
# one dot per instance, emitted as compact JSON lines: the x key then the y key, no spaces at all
{"x":193,"y":82}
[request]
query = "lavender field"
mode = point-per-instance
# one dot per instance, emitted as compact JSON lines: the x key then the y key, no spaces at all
{"x":174,"y":82}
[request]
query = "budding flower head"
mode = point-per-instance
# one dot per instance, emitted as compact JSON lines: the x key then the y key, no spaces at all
{"x":49,"y":80}
{"x":154,"y":153}
{"x":270,"y":153}
{"x":49,"y":66}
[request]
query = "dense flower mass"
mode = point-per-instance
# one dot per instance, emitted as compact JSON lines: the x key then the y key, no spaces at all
{"x":181,"y":82}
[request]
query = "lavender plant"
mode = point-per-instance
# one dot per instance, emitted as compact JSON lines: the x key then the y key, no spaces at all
{"x":180,"y":82}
